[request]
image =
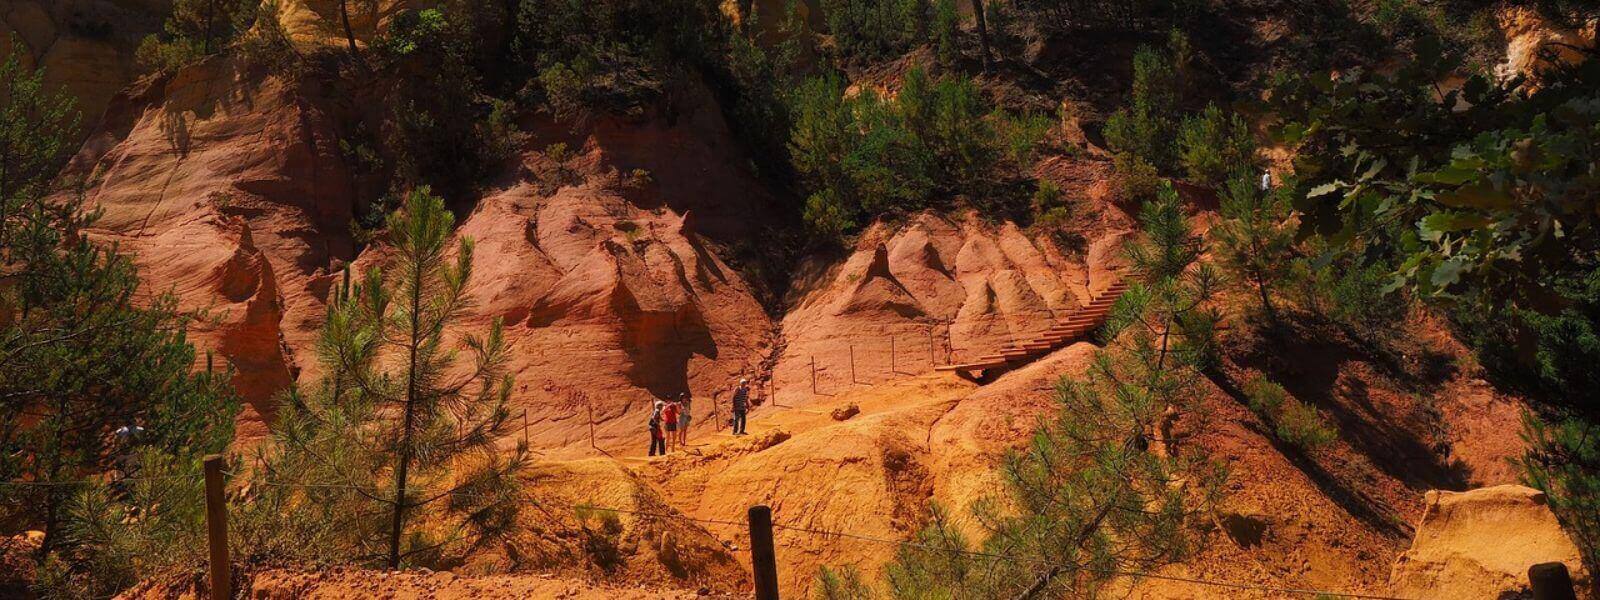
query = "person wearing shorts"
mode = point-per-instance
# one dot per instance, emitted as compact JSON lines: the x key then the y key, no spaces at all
{"x":669,"y":415}
{"x":684,"y":416}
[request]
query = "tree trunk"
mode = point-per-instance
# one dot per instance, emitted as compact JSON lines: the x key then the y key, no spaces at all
{"x":349,"y":33}
{"x":983,"y":33}
{"x":398,"y":522}
{"x":1266,"y":301}
{"x":211,"y":14}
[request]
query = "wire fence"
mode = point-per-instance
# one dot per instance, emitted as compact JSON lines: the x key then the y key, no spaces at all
{"x":744,"y":524}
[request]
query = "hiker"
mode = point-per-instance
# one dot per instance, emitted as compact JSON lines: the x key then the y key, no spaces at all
{"x":658,"y":440}
{"x":741,"y":405}
{"x":683,"y":418}
{"x":669,"y":416}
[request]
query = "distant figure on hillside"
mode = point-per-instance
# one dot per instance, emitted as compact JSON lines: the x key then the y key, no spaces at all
{"x":741,"y":405}
{"x":658,"y":439}
{"x":669,"y":416}
{"x":684,"y":416}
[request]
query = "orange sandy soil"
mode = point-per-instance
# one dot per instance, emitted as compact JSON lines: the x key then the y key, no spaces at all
{"x":342,"y":584}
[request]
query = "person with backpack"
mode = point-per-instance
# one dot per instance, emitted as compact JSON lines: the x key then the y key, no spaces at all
{"x":658,"y":440}
{"x":741,"y":406}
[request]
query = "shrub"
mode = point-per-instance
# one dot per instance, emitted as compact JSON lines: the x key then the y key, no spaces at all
{"x":1266,"y":397}
{"x":440,"y":128}
{"x":1360,"y":300}
{"x":1135,"y":177}
{"x":866,"y":156}
{"x":1293,"y":421}
{"x":1022,"y":135}
{"x":194,"y":30}
{"x":1563,"y":461}
{"x":563,"y":90}
{"x":614,"y":55}
{"x":1047,"y":199}
{"x":1559,"y":348}
{"x":1212,"y":146}
{"x":1145,"y":126}
{"x":876,"y":28}
{"x":1303,"y":426}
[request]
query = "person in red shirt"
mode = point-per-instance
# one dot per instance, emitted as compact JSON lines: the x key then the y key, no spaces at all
{"x":669,"y":415}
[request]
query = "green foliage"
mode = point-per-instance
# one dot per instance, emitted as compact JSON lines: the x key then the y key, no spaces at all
{"x":1482,"y":189}
{"x":844,"y":583}
{"x":415,"y":433}
{"x":1292,"y":420}
{"x":1563,"y":461}
{"x":614,"y":55}
{"x":115,"y":535}
{"x":439,"y":129}
{"x":1146,"y":127}
{"x":1548,"y":353}
{"x":947,"y":32}
{"x":762,"y":76}
{"x":1171,"y":298}
{"x":1135,"y":177}
{"x":866,"y":156}
{"x":1354,"y":296}
{"x":877,"y":28}
{"x":1256,"y":237}
{"x":1212,"y":146}
{"x":1049,"y":205}
{"x":1023,"y":135}
{"x":84,"y":354}
{"x":196,"y":29}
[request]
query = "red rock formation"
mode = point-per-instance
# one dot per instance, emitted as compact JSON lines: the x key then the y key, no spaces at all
{"x":228,"y":188}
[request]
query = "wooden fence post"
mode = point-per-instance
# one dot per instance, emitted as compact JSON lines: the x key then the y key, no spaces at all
{"x":1550,"y":581}
{"x":217,"y":529}
{"x":589,"y":403}
{"x":763,"y":561}
{"x":813,"y":374}
{"x":891,"y":354}
{"x":853,"y":363}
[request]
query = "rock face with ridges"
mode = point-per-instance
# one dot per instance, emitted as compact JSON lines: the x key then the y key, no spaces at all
{"x":228,"y":188}
{"x":941,"y":289}
{"x":1480,"y":544}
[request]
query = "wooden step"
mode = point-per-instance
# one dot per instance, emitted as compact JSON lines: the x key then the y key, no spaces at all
{"x":977,"y":365}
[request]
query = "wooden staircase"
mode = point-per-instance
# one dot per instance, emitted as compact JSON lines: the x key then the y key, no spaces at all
{"x":1075,"y":326}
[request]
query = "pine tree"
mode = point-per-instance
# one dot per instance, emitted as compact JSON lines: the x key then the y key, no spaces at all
{"x":393,"y":413}
{"x":1257,"y":237}
{"x":84,"y":363}
{"x":1170,"y":300}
